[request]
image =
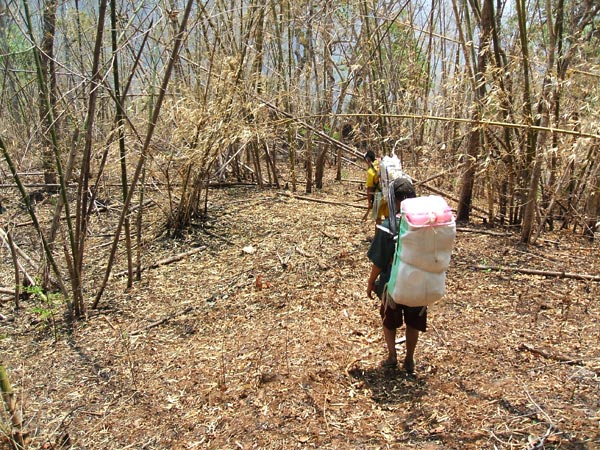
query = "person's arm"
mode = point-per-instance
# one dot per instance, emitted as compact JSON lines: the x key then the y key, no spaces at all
{"x":375,"y":271}
{"x":370,"y":186}
{"x":369,"y":197}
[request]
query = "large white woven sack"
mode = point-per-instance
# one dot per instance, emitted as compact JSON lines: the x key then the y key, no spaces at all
{"x":416,"y":287}
{"x":428,"y":248}
{"x":422,"y":256}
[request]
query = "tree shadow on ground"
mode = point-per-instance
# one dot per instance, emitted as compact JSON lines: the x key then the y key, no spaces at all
{"x":389,"y":386}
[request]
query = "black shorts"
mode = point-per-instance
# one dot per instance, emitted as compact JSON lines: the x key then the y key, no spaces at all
{"x":413,"y":316}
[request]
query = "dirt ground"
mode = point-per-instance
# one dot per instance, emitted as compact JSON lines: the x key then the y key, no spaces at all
{"x":264,"y":339}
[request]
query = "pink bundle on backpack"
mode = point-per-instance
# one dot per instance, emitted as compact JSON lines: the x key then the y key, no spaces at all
{"x":427,"y":211}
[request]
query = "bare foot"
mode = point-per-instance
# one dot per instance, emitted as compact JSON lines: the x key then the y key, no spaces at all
{"x":389,"y":363}
{"x":409,"y":366}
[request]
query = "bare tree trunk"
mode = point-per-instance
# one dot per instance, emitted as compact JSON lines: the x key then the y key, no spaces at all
{"x":327,"y":101}
{"x":272,"y":163}
{"x":529,"y":142}
{"x":120,"y":123}
{"x":291,"y":142}
{"x":8,"y":83}
{"x":84,"y":196}
{"x":10,"y":404}
{"x":49,"y":103}
{"x":537,"y":139}
{"x":474,"y":143}
{"x":593,"y":209}
{"x":254,"y":151}
{"x":13,"y":254}
{"x":308,"y":153}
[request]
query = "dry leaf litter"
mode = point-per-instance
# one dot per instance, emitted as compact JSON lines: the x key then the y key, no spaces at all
{"x":264,"y":339}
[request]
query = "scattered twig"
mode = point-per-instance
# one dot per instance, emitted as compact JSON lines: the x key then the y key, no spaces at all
{"x":284,"y":261}
{"x":163,"y":320}
{"x":303,"y":253}
{"x":549,"y":355}
{"x":329,"y":235}
{"x":165,"y":261}
{"x":473,"y":230}
{"x":218,"y":237}
{"x":318,"y":200}
{"x":547,"y":273}
{"x":539,"y":442}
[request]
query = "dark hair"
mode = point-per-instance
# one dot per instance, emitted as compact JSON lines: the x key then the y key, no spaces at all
{"x":403,"y":188}
{"x":369,"y":156}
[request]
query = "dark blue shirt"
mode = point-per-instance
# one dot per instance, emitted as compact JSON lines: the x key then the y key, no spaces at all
{"x":381,"y":251}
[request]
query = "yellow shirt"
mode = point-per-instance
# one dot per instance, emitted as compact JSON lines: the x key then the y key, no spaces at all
{"x":380,"y":206}
{"x":373,"y":176}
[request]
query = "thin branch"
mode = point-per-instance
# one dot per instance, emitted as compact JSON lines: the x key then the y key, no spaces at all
{"x":318,"y":200}
{"x":546,"y":273}
{"x":165,"y":261}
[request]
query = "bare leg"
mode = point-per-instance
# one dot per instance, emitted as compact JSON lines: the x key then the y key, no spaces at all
{"x":412,"y":336}
{"x":390,"y":341}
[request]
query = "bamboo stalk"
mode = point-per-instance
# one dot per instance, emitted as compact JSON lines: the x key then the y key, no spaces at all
{"x":145,"y":148}
{"x":11,"y":407}
{"x":46,"y":100}
{"x":83,"y":198}
{"x":480,"y":123}
{"x":34,"y":219}
{"x":120,"y":123}
{"x":16,"y":265}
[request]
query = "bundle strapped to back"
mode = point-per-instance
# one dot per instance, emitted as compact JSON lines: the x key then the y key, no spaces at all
{"x":390,"y":168}
{"x":422,"y":255}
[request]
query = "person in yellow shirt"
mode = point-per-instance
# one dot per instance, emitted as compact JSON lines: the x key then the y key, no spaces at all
{"x":375,"y":201}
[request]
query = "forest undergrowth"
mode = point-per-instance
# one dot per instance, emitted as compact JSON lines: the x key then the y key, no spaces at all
{"x":262,"y":337}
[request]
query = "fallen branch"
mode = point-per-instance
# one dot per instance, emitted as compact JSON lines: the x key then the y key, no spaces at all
{"x":348,"y":180}
{"x":26,"y":224}
{"x":550,"y":355}
{"x":163,"y":320}
{"x":539,"y":442}
{"x":72,"y":216}
{"x":318,"y":200}
{"x":546,"y":273}
{"x":473,"y":230}
{"x":164,"y":262}
{"x":225,"y":184}
{"x":217,"y":236}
